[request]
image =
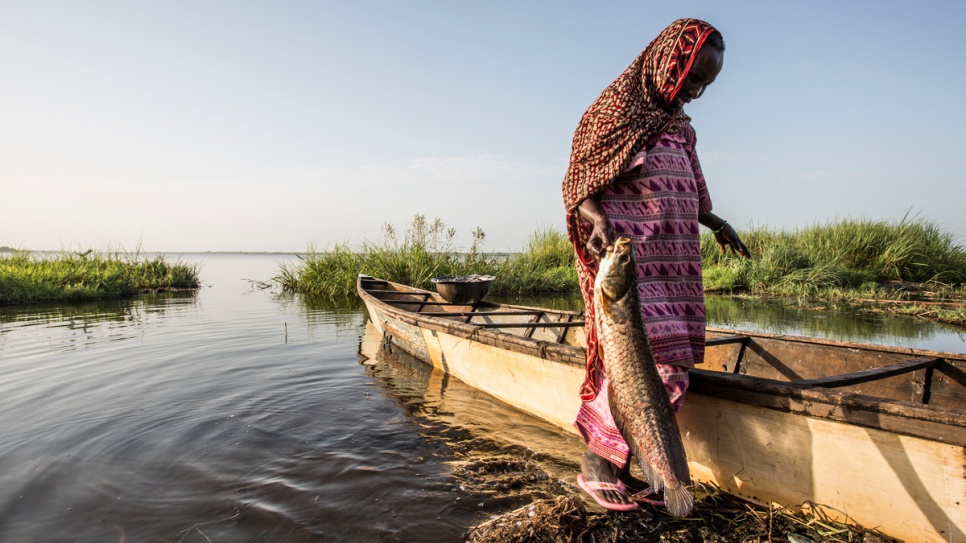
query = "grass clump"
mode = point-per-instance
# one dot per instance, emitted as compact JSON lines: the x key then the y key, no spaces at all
{"x":861,"y":264}
{"x":850,"y":257}
{"x":89,"y":275}
{"x":546,"y":265}
{"x":428,"y":249}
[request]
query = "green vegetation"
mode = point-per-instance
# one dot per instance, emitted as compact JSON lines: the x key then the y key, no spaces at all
{"x":427,"y":250}
{"x":910,"y":267}
{"x":860,"y":256}
{"x":75,"y":277}
{"x":903,"y":267}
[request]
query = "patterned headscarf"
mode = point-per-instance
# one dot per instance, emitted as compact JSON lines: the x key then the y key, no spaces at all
{"x":634,"y":109}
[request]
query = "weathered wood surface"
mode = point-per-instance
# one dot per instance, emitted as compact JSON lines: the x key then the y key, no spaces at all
{"x":888,"y":452}
{"x":871,"y":374}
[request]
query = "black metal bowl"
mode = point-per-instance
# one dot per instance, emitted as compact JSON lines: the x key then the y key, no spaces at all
{"x":463,"y":289}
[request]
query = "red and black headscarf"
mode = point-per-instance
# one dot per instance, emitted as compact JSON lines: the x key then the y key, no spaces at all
{"x":634,"y":109}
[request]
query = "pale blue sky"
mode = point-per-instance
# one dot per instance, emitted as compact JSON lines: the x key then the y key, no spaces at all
{"x":266,"y":126}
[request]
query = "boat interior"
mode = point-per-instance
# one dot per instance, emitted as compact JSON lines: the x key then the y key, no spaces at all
{"x":920,"y":377}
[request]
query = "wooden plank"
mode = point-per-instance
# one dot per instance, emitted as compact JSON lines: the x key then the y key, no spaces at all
{"x":535,"y":319}
{"x":563,"y":331}
{"x":528,"y":324}
{"x":725,"y":340}
{"x":902,"y":417}
{"x":420,"y":303}
{"x":947,"y":385}
{"x":389,"y":291}
{"x":871,"y":374}
{"x":476,"y":313}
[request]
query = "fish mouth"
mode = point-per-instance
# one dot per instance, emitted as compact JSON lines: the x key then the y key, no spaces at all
{"x":622,"y":245}
{"x":620,"y":253}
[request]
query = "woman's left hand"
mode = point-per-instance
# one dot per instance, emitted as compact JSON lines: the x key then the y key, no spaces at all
{"x":728,"y":238}
{"x":724,"y":234}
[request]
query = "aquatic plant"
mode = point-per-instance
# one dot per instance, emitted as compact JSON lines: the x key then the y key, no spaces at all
{"x":428,"y":249}
{"x":850,"y":255}
{"x":854,"y":263}
{"x":80,"y":276}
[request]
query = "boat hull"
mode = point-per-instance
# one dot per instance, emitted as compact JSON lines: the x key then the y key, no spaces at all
{"x":778,"y":444}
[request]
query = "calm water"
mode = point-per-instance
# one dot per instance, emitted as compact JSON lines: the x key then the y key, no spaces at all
{"x":232,"y":414}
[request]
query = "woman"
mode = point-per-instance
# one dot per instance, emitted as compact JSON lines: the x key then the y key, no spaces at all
{"x":634,"y":173}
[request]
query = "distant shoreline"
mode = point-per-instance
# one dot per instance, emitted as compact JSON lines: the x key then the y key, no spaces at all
{"x":4,"y":249}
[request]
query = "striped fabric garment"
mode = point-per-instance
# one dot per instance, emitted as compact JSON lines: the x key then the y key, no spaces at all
{"x":596,"y":423}
{"x":656,"y":203}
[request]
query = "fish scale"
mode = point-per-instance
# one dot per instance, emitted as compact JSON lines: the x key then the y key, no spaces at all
{"x":638,"y":399}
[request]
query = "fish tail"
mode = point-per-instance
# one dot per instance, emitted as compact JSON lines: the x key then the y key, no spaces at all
{"x":678,"y":500}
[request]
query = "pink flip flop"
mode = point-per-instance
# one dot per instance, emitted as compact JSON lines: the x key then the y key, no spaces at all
{"x":592,"y":487}
{"x":649,"y":496}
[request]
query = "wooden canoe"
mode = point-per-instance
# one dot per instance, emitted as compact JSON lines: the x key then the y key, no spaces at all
{"x":876,"y":435}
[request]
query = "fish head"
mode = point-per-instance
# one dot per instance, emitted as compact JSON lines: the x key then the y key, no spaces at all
{"x":618,"y":270}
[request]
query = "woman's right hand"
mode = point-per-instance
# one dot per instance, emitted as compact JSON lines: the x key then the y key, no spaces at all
{"x":601,"y":237}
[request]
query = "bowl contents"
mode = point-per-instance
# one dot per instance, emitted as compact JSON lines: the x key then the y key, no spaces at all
{"x":463,"y":289}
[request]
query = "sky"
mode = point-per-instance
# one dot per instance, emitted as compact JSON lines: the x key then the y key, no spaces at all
{"x":277,"y":126}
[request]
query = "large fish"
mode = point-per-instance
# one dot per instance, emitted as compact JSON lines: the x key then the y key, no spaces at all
{"x":638,"y":400}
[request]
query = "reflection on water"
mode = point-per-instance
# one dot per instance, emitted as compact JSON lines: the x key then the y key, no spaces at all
{"x":224,"y":415}
{"x":68,"y":327}
{"x":775,"y":317}
{"x":501,"y":454}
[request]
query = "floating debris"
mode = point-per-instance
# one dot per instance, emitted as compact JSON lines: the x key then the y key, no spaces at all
{"x":717,"y":517}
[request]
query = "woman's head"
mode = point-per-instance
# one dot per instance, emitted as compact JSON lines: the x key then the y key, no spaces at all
{"x":705,"y":68}
{"x":641,"y":103}
{"x":681,"y":62}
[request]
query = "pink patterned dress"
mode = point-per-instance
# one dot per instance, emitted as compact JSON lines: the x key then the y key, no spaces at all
{"x":656,"y":203}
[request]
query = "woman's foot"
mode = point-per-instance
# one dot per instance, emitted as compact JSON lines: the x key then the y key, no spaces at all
{"x":638,"y":490}
{"x":598,"y":480}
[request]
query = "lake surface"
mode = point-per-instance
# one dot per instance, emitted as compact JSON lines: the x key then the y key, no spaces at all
{"x":233,"y":414}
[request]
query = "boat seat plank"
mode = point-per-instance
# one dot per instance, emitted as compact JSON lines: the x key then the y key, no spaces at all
{"x":421,"y":303}
{"x":872,"y":374}
{"x":563,"y":331}
{"x":407,"y":292}
{"x":535,"y":319}
{"x":476,"y":313}
{"x":725,"y":340}
{"x":528,"y":324}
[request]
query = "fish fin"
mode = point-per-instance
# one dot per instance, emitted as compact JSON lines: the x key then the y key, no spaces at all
{"x":679,"y":501}
{"x":652,"y":476}
{"x":680,"y":465}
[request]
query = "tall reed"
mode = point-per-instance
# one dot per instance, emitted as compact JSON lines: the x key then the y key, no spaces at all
{"x":855,"y":254}
{"x":545,"y":265}
{"x":843,"y":258}
{"x":428,"y":249}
